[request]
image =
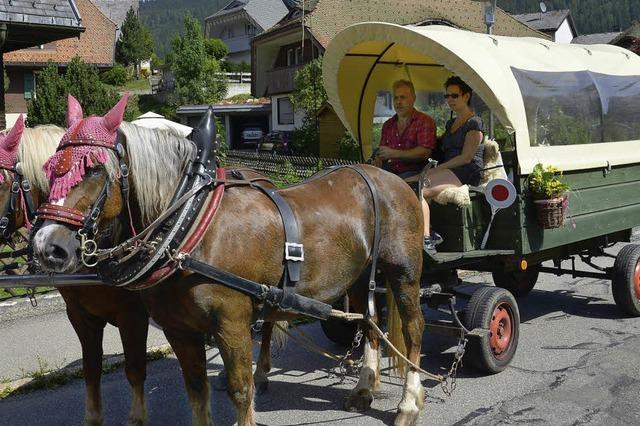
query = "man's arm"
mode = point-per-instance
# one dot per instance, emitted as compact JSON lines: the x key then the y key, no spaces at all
{"x":417,"y":154}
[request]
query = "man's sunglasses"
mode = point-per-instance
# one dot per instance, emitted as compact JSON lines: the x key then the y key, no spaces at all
{"x":451,"y":95}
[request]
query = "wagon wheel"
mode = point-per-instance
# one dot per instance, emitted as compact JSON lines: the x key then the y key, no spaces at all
{"x":625,"y":280}
{"x":496,"y":311}
{"x":518,"y":282}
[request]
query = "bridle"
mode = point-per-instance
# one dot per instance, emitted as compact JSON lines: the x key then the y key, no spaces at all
{"x":88,"y":225}
{"x":20,"y":190}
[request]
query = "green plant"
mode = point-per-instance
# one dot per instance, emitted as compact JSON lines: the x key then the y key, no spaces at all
{"x":348,"y":148}
{"x":116,"y":76}
{"x":544,"y":182}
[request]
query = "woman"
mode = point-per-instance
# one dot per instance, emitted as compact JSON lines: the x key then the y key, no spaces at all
{"x":463,"y":151}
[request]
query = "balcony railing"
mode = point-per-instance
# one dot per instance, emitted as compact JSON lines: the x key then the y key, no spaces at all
{"x":280,"y":80}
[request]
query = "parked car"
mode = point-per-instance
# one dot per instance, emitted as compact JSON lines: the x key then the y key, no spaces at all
{"x":251,"y":136}
{"x":273,"y":142}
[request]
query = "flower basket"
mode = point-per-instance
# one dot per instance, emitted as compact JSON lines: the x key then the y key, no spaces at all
{"x":550,"y":213}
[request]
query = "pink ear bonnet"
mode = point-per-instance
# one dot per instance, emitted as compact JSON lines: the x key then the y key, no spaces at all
{"x":9,"y":145}
{"x":85,"y":144}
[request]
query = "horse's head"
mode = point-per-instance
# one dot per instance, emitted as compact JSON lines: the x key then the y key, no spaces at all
{"x":84,"y":200}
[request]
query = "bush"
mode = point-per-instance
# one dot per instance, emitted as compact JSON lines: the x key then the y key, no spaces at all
{"x":145,"y":73}
{"x":348,"y":148}
{"x":116,"y":76}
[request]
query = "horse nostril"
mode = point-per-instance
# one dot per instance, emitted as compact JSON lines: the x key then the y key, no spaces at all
{"x":54,"y":251}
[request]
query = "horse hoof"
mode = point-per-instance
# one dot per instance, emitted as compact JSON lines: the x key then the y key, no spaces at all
{"x":219,"y":383}
{"x":359,"y":401}
{"x":406,"y":419}
{"x":262,"y":387}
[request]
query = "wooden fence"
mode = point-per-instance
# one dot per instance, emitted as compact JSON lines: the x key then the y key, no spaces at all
{"x":283,"y":168}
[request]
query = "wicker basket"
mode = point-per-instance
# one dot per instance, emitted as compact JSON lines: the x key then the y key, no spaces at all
{"x":550,"y":213}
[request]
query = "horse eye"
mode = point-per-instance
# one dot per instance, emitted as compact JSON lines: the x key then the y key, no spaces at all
{"x":94,"y":172}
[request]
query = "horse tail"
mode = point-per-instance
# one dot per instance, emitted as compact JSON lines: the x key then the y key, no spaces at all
{"x":394,"y":332}
{"x":279,"y":336}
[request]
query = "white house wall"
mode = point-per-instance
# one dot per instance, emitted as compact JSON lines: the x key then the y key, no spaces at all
{"x":298,"y":117}
{"x":564,"y":33}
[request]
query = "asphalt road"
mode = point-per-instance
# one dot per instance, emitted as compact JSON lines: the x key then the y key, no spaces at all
{"x":578,"y":363}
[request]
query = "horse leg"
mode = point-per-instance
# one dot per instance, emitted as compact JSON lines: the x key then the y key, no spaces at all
{"x":133,"y":326}
{"x":90,"y":330}
{"x":361,"y":396}
{"x":190,"y":351}
{"x":263,"y":366}
{"x":234,"y":341}
{"x":408,"y":302}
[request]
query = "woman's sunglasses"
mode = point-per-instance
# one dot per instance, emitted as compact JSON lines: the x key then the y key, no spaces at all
{"x":451,"y":95}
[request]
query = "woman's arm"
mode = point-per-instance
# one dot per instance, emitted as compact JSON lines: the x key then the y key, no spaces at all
{"x":472,"y":141}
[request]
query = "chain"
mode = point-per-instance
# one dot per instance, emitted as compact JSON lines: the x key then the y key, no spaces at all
{"x":31,"y":293}
{"x":354,"y":366}
{"x":449,"y":384}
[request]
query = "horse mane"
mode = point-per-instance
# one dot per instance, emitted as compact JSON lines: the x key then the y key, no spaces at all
{"x":157,"y":160}
{"x":37,"y":145}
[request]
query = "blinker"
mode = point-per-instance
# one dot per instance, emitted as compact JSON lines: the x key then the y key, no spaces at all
{"x":66,"y":161}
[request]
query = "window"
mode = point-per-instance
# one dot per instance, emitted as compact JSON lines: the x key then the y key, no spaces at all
{"x":29,"y":85}
{"x":582,"y":107}
{"x":285,"y":111}
{"x":291,"y":60}
{"x":250,"y":29}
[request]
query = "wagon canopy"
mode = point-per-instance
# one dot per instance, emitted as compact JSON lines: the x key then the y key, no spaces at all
{"x":574,"y":106}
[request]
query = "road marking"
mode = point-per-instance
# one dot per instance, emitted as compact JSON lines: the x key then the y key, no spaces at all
{"x":8,"y":303}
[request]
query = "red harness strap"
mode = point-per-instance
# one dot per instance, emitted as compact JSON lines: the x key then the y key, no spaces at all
{"x":194,"y":237}
{"x":61,"y":214}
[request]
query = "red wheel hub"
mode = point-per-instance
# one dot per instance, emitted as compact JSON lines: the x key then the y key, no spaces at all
{"x":636,"y":280}
{"x":501,"y":328}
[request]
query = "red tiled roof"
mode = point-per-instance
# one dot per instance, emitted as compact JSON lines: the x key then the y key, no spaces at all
{"x":95,"y":46}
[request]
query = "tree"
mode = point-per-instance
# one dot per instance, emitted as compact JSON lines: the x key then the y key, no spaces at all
{"x":198,"y":78}
{"x":309,"y":96}
{"x":216,"y":48}
{"x":80,"y":80}
{"x":135,"y":43}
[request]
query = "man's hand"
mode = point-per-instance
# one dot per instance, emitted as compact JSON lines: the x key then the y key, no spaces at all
{"x":386,"y":153}
{"x":377,"y":161}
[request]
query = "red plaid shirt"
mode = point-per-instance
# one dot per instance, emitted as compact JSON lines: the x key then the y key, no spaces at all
{"x":421,"y":131}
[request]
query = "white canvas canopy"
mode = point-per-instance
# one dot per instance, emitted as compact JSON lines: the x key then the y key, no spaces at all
{"x":366,"y":58}
{"x":151,"y":120}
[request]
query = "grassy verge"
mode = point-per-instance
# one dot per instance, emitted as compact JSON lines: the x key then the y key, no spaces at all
{"x":7,"y":293}
{"x":45,"y":377}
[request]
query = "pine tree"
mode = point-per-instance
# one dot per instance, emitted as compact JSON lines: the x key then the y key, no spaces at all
{"x":135,"y":43}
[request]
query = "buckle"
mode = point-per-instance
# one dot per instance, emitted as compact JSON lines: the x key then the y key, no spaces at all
{"x":26,"y":185}
{"x":293,"y":251}
{"x":15,"y":187}
{"x":4,"y":223}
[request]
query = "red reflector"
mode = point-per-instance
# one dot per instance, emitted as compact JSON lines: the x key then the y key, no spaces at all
{"x":500,"y":192}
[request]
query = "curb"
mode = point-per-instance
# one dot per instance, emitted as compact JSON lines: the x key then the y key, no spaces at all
{"x":116,"y":361}
{"x":20,"y":307}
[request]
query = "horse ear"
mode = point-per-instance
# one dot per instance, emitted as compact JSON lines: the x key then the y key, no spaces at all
{"x":114,"y":117}
{"x":11,"y":142}
{"x":74,"y":111}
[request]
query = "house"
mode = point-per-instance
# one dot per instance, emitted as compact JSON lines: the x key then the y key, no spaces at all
{"x":95,"y":46}
{"x":239,"y":21}
{"x":629,"y":39}
{"x":277,"y":54}
{"x":598,"y":38}
{"x":116,"y":10}
{"x":558,"y":24}
{"x":24,"y":25}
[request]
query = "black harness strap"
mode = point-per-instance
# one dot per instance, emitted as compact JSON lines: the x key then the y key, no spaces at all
{"x":376,"y":237}
{"x":293,"y":248}
{"x":273,"y":296}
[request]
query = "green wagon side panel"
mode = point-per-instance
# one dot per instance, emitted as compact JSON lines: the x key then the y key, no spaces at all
{"x":601,"y":202}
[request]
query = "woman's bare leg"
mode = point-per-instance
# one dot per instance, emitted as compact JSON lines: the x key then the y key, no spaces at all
{"x":440,"y":179}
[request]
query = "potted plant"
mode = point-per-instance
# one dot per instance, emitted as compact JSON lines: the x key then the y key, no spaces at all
{"x":549,"y":195}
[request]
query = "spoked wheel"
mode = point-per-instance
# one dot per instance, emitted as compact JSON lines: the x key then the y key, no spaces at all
{"x":625,"y":281}
{"x":496,"y":311}
{"x":519,"y":283}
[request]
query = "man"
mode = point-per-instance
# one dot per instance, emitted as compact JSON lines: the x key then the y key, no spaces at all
{"x":409,"y":137}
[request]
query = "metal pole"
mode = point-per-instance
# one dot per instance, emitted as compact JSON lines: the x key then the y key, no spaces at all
{"x":490,"y":18}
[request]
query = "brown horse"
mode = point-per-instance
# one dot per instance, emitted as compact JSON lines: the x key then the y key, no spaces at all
{"x":89,"y":308}
{"x":336,"y":221}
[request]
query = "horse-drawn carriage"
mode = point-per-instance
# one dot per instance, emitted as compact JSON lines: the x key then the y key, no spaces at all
{"x":147,"y":208}
{"x":571,"y":106}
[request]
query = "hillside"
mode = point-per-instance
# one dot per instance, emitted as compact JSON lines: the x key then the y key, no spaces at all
{"x":590,"y":16}
{"x":165,"y":18}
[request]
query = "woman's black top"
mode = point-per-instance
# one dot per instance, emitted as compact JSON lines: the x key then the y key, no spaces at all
{"x":452,"y":144}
